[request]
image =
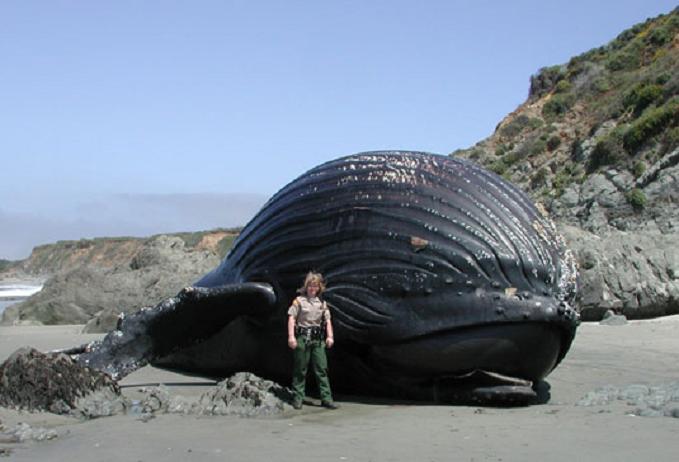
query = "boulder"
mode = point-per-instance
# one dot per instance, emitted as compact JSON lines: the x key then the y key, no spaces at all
{"x":633,"y":273}
{"x":36,"y":381}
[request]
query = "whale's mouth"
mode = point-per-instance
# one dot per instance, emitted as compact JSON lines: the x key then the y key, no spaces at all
{"x":527,"y":351}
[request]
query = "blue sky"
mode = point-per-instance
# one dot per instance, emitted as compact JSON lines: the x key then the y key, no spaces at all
{"x":109,"y":106}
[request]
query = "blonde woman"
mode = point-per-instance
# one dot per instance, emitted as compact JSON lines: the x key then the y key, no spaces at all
{"x":309,"y":334}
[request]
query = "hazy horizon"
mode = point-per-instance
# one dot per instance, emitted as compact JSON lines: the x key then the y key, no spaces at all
{"x":126,"y":215}
{"x":137,"y":118}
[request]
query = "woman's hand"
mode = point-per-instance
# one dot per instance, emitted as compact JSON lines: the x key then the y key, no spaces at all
{"x":329,"y":342}
{"x":292,"y":343}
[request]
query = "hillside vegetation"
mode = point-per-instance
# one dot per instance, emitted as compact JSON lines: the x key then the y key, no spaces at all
{"x":597,"y":142}
{"x":613,"y":108}
{"x":110,"y":252}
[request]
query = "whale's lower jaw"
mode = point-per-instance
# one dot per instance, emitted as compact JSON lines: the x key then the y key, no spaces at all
{"x":494,"y":364}
{"x":523,"y":350}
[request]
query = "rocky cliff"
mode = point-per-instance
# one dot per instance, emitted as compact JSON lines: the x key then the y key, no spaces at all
{"x":597,"y":142}
{"x":93,"y":281}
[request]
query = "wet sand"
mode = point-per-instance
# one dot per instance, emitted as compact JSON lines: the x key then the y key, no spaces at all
{"x":644,"y":352}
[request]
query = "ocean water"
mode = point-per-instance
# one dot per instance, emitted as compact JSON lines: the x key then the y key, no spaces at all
{"x":15,"y":293}
{"x":4,"y":304}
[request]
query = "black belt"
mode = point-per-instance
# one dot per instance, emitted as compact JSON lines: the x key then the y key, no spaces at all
{"x":310,"y":333}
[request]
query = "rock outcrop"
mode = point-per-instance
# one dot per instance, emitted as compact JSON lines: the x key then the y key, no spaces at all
{"x":632,"y":273}
{"x":642,"y":400}
{"x":35,"y":381}
{"x":597,"y":142}
{"x":243,"y":394}
{"x":96,"y":295}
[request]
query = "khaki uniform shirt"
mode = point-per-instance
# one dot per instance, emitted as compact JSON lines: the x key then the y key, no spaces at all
{"x":308,"y":312}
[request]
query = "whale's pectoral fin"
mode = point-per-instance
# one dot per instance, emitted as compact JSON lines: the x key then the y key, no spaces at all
{"x":195,"y":314}
{"x":490,"y":389}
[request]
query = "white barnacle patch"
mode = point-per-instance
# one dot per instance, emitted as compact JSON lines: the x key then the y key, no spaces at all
{"x":418,"y":243}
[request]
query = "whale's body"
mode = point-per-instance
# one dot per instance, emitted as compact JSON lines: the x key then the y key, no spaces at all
{"x":437,"y":271}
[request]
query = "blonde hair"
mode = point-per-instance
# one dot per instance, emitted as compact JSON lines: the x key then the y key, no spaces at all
{"x":312,"y":277}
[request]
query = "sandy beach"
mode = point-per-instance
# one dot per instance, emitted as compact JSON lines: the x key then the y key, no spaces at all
{"x":645,"y":352}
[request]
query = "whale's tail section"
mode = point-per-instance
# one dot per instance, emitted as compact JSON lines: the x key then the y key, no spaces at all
{"x":193,"y":315}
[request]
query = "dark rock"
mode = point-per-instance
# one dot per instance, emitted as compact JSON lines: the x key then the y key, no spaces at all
{"x":631,"y":273}
{"x":245,"y":394}
{"x":612,"y":319}
{"x":103,"y":402}
{"x":23,"y":432}
{"x":36,"y":381}
{"x":648,"y":401}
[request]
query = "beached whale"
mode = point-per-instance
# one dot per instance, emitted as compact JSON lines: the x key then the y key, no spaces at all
{"x":444,"y":281}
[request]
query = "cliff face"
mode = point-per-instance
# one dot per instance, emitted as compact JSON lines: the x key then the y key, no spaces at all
{"x":93,"y":281}
{"x":111,"y":252}
{"x":597,"y":142}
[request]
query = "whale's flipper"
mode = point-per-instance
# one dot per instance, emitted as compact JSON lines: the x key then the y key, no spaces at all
{"x":195,"y":314}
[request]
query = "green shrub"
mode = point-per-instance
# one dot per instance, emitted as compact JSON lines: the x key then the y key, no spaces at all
{"x":553,"y":142}
{"x":659,"y":36}
{"x":651,"y":123}
{"x":191,"y":239}
{"x":575,"y":170}
{"x":501,"y":149}
{"x":636,"y":198}
{"x":545,"y":80}
{"x":499,"y":167}
{"x":559,"y":182}
{"x":537,"y":147}
{"x":608,"y":150}
{"x":475,"y":154}
{"x":628,"y":58}
{"x":539,"y":178}
{"x":534,"y":122}
{"x":671,"y":140}
{"x":601,"y":84}
{"x":514,"y":126}
{"x":626,"y":36}
{"x":564,"y":86}
{"x":518,"y":124}
{"x":642,"y":96}
{"x":662,"y":79}
{"x":508,"y":159}
{"x":557,"y":105}
{"x":639,"y":168}
{"x":5,"y":264}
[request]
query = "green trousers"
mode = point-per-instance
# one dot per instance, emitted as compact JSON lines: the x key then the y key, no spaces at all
{"x":314,"y":351}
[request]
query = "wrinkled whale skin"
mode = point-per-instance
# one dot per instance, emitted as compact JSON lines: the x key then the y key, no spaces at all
{"x":436,"y":269}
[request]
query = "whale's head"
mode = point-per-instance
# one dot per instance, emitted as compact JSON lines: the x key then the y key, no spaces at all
{"x":428,"y":259}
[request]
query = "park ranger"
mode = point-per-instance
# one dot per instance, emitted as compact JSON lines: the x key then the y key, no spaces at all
{"x":309,"y":334}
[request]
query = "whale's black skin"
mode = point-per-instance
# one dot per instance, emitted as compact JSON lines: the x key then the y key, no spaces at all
{"x":436,"y":269}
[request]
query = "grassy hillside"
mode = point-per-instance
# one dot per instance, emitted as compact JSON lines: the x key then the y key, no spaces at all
{"x":109,"y":252}
{"x":616,"y":106}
